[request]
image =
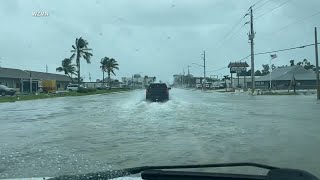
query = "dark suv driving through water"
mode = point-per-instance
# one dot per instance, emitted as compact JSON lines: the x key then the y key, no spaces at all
{"x":157,"y":92}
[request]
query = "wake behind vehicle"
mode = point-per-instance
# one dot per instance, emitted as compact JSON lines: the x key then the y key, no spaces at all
{"x":4,"y":90}
{"x":157,"y":92}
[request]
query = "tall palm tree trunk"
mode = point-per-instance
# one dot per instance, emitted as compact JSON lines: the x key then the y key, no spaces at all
{"x":78,"y":65}
{"x":70,"y":77}
{"x":109,"y":80}
{"x":103,"y":77}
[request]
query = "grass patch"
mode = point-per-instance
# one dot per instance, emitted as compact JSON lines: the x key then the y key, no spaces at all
{"x":44,"y":96}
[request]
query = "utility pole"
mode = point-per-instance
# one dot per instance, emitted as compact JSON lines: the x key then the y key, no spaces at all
{"x":183,"y":77}
{"x":204,"y":69}
{"x":30,"y":83}
{"x":204,"y":64}
{"x":317,"y":63}
{"x":251,"y":37}
{"x":188,"y":75}
{"x":132,"y":82}
{"x":89,"y":77}
{"x":46,"y":68}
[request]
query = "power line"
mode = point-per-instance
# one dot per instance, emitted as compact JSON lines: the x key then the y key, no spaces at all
{"x":273,"y":9}
{"x":257,"y":3}
{"x":280,"y":50}
{"x":296,"y":22}
{"x":262,"y":5}
{"x":287,"y":49}
{"x":233,"y":29}
{"x":218,"y":69}
{"x":244,"y":58}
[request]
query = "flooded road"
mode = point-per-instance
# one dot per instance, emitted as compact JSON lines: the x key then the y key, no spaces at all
{"x":71,"y":135}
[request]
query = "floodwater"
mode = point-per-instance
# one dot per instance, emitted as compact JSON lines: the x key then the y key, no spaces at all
{"x":72,"y":135}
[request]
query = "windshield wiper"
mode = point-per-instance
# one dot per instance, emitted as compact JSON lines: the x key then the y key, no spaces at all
{"x":156,"y":172}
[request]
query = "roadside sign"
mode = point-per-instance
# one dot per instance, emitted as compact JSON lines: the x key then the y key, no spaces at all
{"x":237,"y":69}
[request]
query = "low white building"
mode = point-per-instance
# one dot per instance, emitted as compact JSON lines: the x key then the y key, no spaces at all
{"x":242,"y":82}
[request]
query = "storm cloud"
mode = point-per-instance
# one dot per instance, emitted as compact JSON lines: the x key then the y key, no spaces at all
{"x":155,"y":37}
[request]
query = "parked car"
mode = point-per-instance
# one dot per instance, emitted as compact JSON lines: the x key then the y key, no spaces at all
{"x":74,"y":87}
{"x":4,"y":90}
{"x":157,"y":92}
{"x":103,"y":87}
{"x":198,"y":86}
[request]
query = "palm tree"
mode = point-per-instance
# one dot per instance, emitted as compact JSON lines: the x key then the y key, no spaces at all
{"x":154,"y":79}
{"x":80,"y":49}
{"x":225,"y":78}
{"x":111,"y":65}
{"x":103,"y":63}
{"x":291,"y":62}
{"x":67,"y":67}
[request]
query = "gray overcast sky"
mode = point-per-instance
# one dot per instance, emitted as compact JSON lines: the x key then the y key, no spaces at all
{"x":156,"y":37}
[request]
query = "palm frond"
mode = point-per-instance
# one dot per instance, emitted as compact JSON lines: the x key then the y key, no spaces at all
{"x":88,"y":54}
{"x":72,"y":56}
{"x":112,"y":72}
{"x":87,"y":58}
{"x":73,"y":51}
{"x":86,"y":49}
{"x":77,"y":40}
{"x":82,"y":43}
{"x":59,"y":69}
{"x":73,"y":47}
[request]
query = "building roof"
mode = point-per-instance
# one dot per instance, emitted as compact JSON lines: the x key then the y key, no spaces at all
{"x":49,"y":76}
{"x":287,"y":73}
{"x":13,"y":73}
{"x":21,"y":74}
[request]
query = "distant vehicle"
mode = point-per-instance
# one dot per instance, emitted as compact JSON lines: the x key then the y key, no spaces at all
{"x":199,"y":86}
{"x":4,"y":90}
{"x":49,"y":86}
{"x":103,"y":87}
{"x":157,"y":92}
{"x":74,"y":87}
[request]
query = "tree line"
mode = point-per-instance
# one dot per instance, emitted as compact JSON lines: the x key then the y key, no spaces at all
{"x":266,"y":68}
{"x":80,"y":50}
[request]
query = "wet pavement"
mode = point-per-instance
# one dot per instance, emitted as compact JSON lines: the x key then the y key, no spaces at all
{"x":71,"y":135}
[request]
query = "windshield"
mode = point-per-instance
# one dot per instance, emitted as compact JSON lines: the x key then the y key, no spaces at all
{"x":241,"y":85}
{"x":155,"y":86}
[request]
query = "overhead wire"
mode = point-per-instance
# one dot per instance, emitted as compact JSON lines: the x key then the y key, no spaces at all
{"x":262,"y":5}
{"x":296,"y":22}
{"x":280,"y":50}
{"x":232,"y":31}
{"x":217,"y":69}
{"x":257,"y":3}
{"x":273,"y":9}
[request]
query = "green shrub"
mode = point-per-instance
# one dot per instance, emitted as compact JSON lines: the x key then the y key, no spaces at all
{"x":86,"y":90}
